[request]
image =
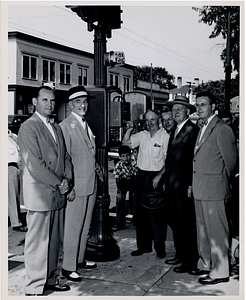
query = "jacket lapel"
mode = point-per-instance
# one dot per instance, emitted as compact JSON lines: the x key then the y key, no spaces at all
{"x":90,"y":142}
{"x":206,"y":134}
{"x":182,"y":133}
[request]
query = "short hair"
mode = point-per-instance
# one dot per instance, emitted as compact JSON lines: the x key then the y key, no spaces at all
{"x":154,"y":111}
{"x":209,"y":95}
{"x":124,"y":149}
{"x":43,"y":87}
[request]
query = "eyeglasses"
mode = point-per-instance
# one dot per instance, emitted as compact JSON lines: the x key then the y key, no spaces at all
{"x":202,"y":105}
{"x":177,"y":109}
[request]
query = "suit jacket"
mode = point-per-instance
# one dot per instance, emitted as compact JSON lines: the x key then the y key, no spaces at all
{"x":82,"y":151}
{"x":45,"y":164}
{"x":178,"y":165}
{"x":215,"y":158}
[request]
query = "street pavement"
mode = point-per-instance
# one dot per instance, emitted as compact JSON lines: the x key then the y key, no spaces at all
{"x":145,"y":275}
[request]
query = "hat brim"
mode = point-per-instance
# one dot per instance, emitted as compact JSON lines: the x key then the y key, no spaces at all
{"x":190,"y":106}
{"x":88,"y":98}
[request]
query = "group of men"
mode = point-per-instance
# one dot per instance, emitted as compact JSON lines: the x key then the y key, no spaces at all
{"x":60,"y":183}
{"x":196,"y":166}
{"x":59,"y":186}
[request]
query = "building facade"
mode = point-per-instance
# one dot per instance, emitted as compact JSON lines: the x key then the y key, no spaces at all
{"x":34,"y":62}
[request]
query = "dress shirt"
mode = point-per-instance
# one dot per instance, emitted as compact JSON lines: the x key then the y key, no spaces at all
{"x":48,"y":125}
{"x":152,"y":150}
{"x":83,"y":123}
{"x":204,"y":127}
{"x":179,"y":127}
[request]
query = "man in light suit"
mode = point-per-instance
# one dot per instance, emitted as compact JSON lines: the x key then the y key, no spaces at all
{"x":178,"y":180}
{"x":80,"y":143}
{"x":215,"y":158}
{"x":47,"y":176}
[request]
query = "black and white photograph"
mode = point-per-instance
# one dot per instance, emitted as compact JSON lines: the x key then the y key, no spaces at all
{"x":124,"y":149}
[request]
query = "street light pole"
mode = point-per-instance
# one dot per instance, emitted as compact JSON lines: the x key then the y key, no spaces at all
{"x":101,"y":246}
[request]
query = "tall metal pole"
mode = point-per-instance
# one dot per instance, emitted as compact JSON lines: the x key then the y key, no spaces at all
{"x":151,"y":92}
{"x":101,"y":246}
{"x":100,"y":70}
{"x":228,"y":63}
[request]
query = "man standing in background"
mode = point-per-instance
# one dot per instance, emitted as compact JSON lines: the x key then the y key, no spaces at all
{"x":178,"y":181}
{"x":14,"y":187}
{"x":153,"y":142}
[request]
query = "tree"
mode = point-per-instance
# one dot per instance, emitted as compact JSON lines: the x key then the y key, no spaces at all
{"x":217,"y":15}
{"x":218,"y":89}
{"x":159,"y":76}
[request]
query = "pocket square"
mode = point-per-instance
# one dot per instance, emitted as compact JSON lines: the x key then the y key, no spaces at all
{"x":157,"y":145}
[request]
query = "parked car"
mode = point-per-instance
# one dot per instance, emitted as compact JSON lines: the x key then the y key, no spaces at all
{"x":15,"y":121}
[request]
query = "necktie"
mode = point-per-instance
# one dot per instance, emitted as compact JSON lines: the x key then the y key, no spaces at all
{"x":86,"y":127}
{"x":176,"y":131}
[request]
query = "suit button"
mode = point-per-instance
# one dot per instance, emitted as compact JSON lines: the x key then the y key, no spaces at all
{"x":194,"y":171}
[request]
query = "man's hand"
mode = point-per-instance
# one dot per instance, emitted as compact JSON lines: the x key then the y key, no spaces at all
{"x":156,"y":180}
{"x":189,"y":192}
{"x":71,"y":196}
{"x":129,"y":126}
{"x":99,"y":172}
{"x":63,"y":187}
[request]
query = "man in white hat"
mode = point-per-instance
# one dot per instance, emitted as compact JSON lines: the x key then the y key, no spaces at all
{"x":80,"y":143}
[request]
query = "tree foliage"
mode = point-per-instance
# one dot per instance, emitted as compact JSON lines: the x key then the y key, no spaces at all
{"x":159,"y":76}
{"x":218,"y":89}
{"x":218,"y":16}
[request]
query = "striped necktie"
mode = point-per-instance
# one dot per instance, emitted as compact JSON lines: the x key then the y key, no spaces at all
{"x":86,"y":127}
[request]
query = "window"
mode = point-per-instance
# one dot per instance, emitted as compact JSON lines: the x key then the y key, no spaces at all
{"x":29,"y":67}
{"x":126,"y":84}
{"x":48,"y":70}
{"x":83,"y":76}
{"x":65,"y":73}
{"x":114,"y":80}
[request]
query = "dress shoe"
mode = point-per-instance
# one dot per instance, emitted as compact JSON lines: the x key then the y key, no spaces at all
{"x":139,"y":252}
{"x":173,"y":261}
{"x":181,"y":269}
{"x":33,"y":294}
{"x":71,"y":275}
{"x":209,"y":280}
{"x":20,"y":228}
{"x":161,"y":254}
{"x":87,"y":265}
{"x":199,"y":272}
{"x":58,"y":287}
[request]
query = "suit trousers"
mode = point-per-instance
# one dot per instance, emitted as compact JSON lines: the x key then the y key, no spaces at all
{"x":14,"y":196}
{"x":150,"y":223}
{"x":212,"y":237}
{"x":77,"y":224}
{"x":184,"y":228}
{"x":42,"y":248}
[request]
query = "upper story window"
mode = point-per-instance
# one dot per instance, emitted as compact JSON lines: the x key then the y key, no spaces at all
{"x":126,"y":84}
{"x":114,"y":80}
{"x":48,"y":70}
{"x":29,"y":70}
{"x":83,"y":76}
{"x":65,"y":73}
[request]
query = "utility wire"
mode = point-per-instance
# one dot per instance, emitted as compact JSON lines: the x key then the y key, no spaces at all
{"x":71,"y":13}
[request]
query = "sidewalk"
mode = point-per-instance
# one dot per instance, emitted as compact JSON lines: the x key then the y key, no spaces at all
{"x":145,"y":275}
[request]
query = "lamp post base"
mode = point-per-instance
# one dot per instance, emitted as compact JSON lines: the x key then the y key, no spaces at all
{"x":101,"y":246}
